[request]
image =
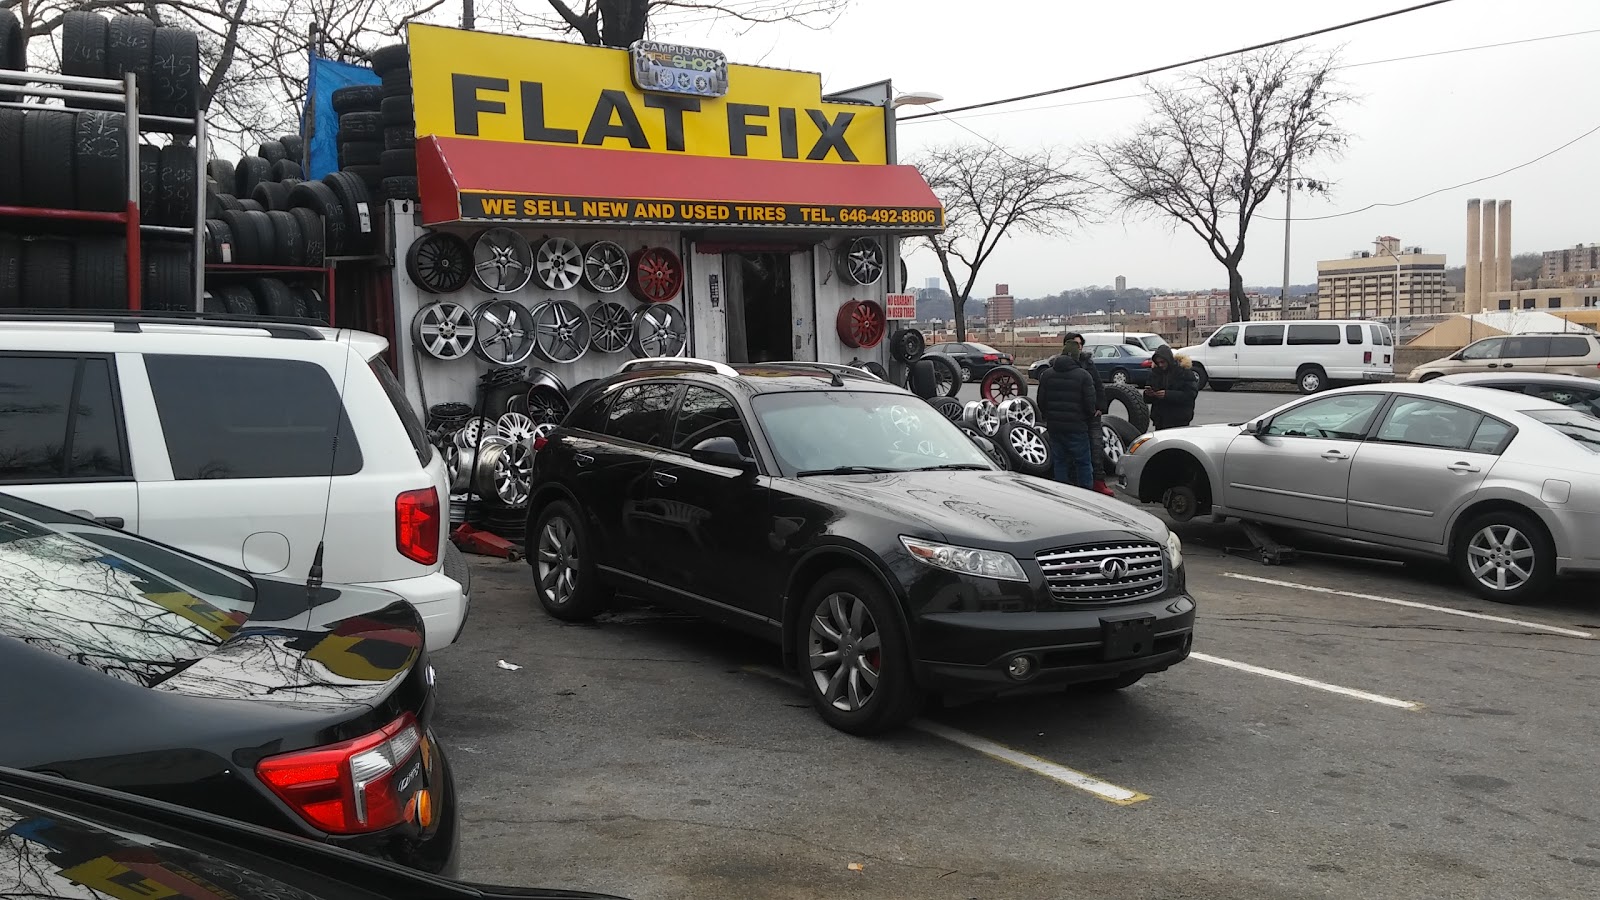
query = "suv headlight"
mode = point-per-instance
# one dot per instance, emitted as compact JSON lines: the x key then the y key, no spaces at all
{"x":965,"y":560}
{"x":1174,"y":549}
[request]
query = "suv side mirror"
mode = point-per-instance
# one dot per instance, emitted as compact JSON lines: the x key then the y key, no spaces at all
{"x":722,"y":451}
{"x":1253,"y":427}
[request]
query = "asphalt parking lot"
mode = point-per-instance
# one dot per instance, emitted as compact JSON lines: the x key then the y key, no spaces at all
{"x":1347,"y":728}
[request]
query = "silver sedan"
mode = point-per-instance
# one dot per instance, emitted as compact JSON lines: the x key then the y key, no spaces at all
{"x":1505,"y":485}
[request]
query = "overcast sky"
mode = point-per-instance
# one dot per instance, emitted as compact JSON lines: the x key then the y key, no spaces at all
{"x":1419,"y":125}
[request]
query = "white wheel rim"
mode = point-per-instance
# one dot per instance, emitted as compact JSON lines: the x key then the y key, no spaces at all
{"x":1027,"y":445}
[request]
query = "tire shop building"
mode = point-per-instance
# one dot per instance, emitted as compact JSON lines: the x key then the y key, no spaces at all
{"x":582,"y":206}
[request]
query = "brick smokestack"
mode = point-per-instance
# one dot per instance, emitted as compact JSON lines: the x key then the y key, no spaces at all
{"x":1474,"y":301}
{"x":1489,"y":278}
{"x":1503,"y":279}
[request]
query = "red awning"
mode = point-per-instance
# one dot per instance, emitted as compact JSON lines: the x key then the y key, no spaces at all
{"x":490,"y":181}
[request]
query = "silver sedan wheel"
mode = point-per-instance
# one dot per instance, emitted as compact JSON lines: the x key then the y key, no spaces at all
{"x":558,"y":560}
{"x":1028,"y":445}
{"x":1119,"y":377}
{"x":845,"y":652}
{"x":1501,"y":558}
{"x":1112,"y":443}
{"x":1019,"y":409}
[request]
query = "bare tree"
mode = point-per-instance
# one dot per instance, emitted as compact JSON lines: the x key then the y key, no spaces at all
{"x":989,"y":192}
{"x":1218,"y":143}
{"x":618,"y":23}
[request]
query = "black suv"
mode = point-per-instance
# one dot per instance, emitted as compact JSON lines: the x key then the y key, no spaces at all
{"x":819,"y":507}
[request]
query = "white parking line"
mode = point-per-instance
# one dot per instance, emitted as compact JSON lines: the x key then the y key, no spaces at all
{"x":1307,"y":682}
{"x":1553,"y":629}
{"x":1105,"y":790}
{"x":1083,"y":781}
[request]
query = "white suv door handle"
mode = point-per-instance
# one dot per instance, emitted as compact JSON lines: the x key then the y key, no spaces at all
{"x":1462,"y":467}
{"x":1334,"y":454}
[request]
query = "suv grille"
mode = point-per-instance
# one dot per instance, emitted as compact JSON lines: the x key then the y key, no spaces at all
{"x":1105,"y":573}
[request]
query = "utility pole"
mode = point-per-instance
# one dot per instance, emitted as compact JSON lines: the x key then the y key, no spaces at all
{"x":1288,"y":219}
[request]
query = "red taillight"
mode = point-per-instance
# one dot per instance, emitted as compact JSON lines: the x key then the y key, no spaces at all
{"x":416,"y":525}
{"x":350,"y":787}
{"x":990,"y":357}
{"x":1366,"y":357}
{"x":1147,"y":364}
{"x":539,"y":443}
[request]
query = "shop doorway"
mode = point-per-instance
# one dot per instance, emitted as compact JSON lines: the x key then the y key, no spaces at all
{"x":760,"y":303}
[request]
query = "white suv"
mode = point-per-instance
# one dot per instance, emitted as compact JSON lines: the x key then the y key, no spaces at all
{"x":245,"y":442}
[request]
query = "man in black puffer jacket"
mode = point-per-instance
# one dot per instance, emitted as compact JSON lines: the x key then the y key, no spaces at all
{"x":1173,"y":387}
{"x":1067,"y":402}
{"x":1074,"y":343}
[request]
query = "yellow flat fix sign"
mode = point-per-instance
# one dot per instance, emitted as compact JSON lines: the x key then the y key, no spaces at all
{"x":498,"y":87}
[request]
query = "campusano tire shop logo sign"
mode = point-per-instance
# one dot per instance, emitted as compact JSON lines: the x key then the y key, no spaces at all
{"x":722,"y":145}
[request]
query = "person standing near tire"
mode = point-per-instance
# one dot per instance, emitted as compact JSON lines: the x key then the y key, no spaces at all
{"x":1073,"y":343}
{"x":1172,"y":390}
{"x":1067,"y":402}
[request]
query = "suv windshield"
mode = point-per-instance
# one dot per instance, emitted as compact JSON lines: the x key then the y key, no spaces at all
{"x":110,"y":600}
{"x":826,"y":431}
{"x":1152,"y":342}
{"x":1583,"y":430}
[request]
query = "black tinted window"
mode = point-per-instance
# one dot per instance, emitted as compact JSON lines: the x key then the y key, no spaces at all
{"x":704,"y":414}
{"x":1263,"y":335}
{"x":1570,"y":346}
{"x":1353,"y":335}
{"x":1490,"y":437}
{"x":1313,"y":334}
{"x":402,"y":408}
{"x":1526,"y":347}
{"x":639,"y":413}
{"x":40,"y":427}
{"x":251,"y":418}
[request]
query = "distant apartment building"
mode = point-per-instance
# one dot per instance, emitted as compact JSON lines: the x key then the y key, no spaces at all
{"x":1544,"y":298}
{"x":1122,"y":283}
{"x":1002,"y":307}
{"x":1575,"y":267}
{"x":1201,"y":309}
{"x":1363,"y":286}
{"x":1273,"y":309}
{"x":932,"y":284}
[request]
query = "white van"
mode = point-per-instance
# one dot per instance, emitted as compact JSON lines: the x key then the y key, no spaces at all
{"x":1144,"y":340}
{"x":1313,"y":355}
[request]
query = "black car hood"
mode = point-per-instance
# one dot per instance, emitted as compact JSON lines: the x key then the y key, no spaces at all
{"x":991,"y":508}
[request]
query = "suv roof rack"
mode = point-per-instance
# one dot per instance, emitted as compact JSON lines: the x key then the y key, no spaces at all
{"x":827,"y":368}
{"x":679,"y":362}
{"x":130,"y":320}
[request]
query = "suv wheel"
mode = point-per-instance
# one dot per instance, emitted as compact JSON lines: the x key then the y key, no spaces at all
{"x":856,"y":662}
{"x":564,"y":576}
{"x":1311,"y":379}
{"x":1505,"y":556}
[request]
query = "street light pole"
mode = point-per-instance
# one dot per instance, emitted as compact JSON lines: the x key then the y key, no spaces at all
{"x":1288,"y":220}
{"x":1383,"y":243}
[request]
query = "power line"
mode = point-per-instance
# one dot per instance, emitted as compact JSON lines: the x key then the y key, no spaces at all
{"x":1187,"y":62}
{"x":1374,"y":62}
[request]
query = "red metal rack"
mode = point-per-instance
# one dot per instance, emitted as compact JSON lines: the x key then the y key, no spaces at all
{"x":68,"y":88}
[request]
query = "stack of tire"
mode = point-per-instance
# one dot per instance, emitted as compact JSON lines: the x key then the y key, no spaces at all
{"x":58,"y":158}
{"x":927,"y":375}
{"x":377,"y":129}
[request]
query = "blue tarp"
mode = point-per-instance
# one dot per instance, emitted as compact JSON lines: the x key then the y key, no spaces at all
{"x":318,"y":120}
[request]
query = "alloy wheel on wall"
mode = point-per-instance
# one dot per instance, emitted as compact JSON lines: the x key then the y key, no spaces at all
{"x":561,"y":331}
{"x":444,"y":330}
{"x":861,"y":261}
{"x":605,"y":267}
{"x":502,"y":261}
{"x":505,"y":332}
{"x":657,"y":275}
{"x":610,"y":327}
{"x":439,"y":263}
{"x":658,"y":330}
{"x":860,"y":324}
{"x":559,"y":264}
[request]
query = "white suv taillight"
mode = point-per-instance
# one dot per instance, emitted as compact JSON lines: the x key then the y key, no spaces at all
{"x":348,"y":787}
{"x":417,"y":520}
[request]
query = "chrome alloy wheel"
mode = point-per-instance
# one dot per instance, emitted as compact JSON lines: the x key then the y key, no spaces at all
{"x":558,"y":560}
{"x":845,"y":652}
{"x":1112,"y":443}
{"x":1027,"y":444}
{"x":1501,"y":557}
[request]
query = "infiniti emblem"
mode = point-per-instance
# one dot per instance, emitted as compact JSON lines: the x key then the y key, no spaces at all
{"x":1114,"y":568}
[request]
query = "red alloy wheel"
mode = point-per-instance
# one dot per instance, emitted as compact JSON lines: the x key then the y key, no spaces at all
{"x":657,"y":275}
{"x":1001,"y":384}
{"x":861,"y":324}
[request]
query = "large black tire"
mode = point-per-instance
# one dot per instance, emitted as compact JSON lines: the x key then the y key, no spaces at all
{"x":354,"y":200}
{"x":1533,"y":541}
{"x":1135,"y":410}
{"x":219,"y":241}
{"x":286,"y":170}
{"x":168,"y":276}
{"x":907,"y":345}
{"x":922,"y":380}
{"x":47,"y":274}
{"x":357,"y":98}
{"x":397,"y":82}
{"x":150,"y":211}
{"x":294,"y":145}
{"x":130,"y":41}
{"x":311,"y":299}
{"x":946,"y":373}
{"x":949,"y":407}
{"x":175,"y":73}
{"x":272,"y":195}
{"x":102,"y":161}
{"x":399,"y":163}
{"x":48,"y":140}
{"x":993,"y":380}
{"x":247,"y":249}
{"x":569,"y":549}
{"x":896,"y":698}
{"x":178,"y":173}
{"x":398,"y":111}
{"x":238,"y":300}
{"x":311,"y":234}
{"x":320,"y":199}
{"x":100,"y":274}
{"x":10,"y":271}
{"x":360,"y":126}
{"x":272,"y":151}
{"x":11,"y":126}
{"x":288,"y":244}
{"x":360,"y":153}
{"x":251,"y":171}
{"x":83,"y":44}
{"x":1018,"y":441}
{"x":387,"y":59}
{"x":399,"y":189}
{"x":400,"y":137}
{"x":227,"y":201}
{"x":273,"y":297}
{"x":222,"y":171}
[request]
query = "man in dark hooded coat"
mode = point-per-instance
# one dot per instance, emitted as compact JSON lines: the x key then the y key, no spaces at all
{"x":1172,"y":390}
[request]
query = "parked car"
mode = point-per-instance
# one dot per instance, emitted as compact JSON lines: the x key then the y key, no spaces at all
{"x":1571,"y":391}
{"x":972,"y":360}
{"x":1501,"y":484}
{"x":68,"y":840}
{"x":1148,"y":341}
{"x":304,"y":708}
{"x":1553,"y":354}
{"x":1314,"y":356}
{"x":218,"y":435}
{"x":1116,"y":363}
{"x":842,"y":518}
